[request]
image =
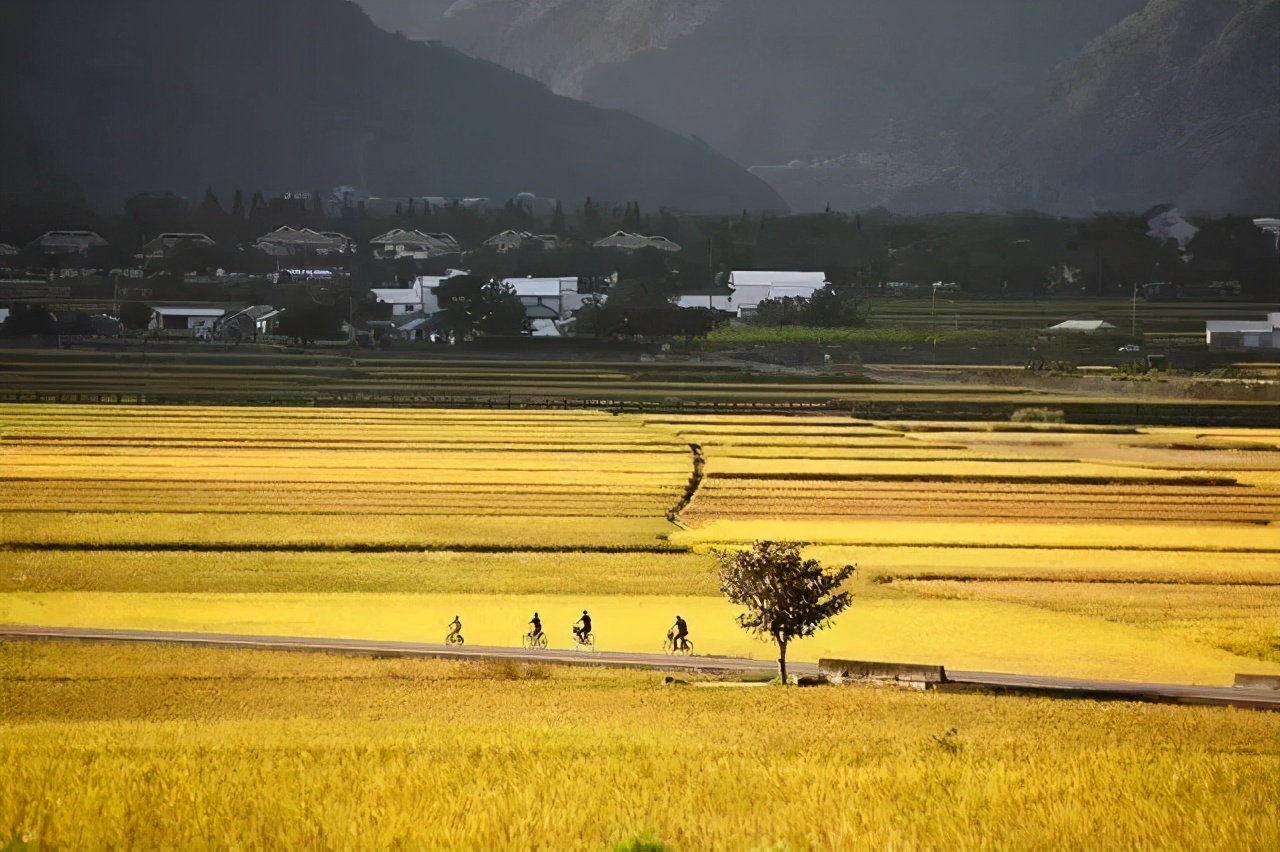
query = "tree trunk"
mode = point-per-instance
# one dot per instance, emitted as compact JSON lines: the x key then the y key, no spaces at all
{"x":782,"y":660}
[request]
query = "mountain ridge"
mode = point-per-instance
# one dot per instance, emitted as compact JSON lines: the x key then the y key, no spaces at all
{"x":925,"y":105}
{"x":304,"y":95}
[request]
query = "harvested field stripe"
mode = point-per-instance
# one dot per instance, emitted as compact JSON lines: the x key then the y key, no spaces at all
{"x":1207,"y":481}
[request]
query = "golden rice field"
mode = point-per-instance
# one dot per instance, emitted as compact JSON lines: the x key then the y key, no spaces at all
{"x":129,"y":515}
{"x":1147,"y":554}
{"x":107,"y":747}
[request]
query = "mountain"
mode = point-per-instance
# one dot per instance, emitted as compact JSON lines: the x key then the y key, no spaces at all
{"x":1179,"y":102}
{"x":768,"y":81}
{"x":921,"y":105}
{"x":117,"y":96}
{"x":559,"y":42}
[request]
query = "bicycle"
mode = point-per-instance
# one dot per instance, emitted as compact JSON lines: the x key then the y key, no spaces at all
{"x":454,"y":639}
{"x":587,"y":642}
{"x":538,"y":642}
{"x":685,"y":649}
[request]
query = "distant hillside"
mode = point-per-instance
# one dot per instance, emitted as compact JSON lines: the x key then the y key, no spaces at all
{"x":559,"y":42}
{"x":769,"y":81}
{"x":1180,"y":102}
{"x":922,"y":105}
{"x":121,"y":96}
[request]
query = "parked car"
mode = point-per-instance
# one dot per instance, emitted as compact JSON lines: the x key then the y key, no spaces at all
{"x":1131,"y":347}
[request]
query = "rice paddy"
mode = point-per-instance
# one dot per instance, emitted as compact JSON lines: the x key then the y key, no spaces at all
{"x":194,"y":748}
{"x":1143,"y":554}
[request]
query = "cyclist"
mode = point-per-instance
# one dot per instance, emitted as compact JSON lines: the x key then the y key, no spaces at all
{"x":679,"y":635}
{"x":455,"y":630}
{"x":535,"y":627}
{"x":583,"y":628}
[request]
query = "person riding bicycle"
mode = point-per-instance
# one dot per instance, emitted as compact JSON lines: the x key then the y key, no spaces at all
{"x":679,"y":634}
{"x":455,"y":629}
{"x":583,"y":628}
{"x":535,"y":627}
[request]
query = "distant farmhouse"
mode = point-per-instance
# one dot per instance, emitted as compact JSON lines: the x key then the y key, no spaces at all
{"x":415,"y":310}
{"x":635,"y":242}
{"x":166,"y":245}
{"x":417,"y":245}
{"x":287,"y":241}
{"x":548,"y":298}
{"x":747,"y":289}
{"x":68,"y":243}
{"x":1235,"y":334}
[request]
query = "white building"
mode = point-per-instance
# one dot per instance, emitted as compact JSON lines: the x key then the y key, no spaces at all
{"x":1082,"y":327}
{"x":748,"y":289}
{"x":1236,"y":334}
{"x":184,"y":317}
{"x":550,"y":298}
{"x":421,"y":298}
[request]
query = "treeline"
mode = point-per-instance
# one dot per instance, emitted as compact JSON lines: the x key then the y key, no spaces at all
{"x":987,"y":256}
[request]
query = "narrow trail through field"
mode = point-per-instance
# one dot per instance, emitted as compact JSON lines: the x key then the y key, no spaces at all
{"x":959,"y":681}
{"x":695,"y":482}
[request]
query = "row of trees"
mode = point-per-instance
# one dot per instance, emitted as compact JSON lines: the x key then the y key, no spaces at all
{"x":1025,"y":256}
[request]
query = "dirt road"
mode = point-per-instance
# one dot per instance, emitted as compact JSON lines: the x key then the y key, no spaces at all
{"x":956,"y":681}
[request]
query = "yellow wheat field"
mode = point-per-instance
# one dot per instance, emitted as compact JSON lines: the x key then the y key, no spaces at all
{"x":456,"y":572}
{"x":1207,"y":538}
{"x":1243,"y":620}
{"x":1047,"y":563}
{"x":171,"y":748}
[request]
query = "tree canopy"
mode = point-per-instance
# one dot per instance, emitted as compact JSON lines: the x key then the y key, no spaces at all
{"x":786,"y":596}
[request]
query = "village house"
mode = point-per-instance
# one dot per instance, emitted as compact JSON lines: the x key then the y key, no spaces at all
{"x":624,"y":241}
{"x":68,"y":243}
{"x":167,"y":245}
{"x":516,"y":240}
{"x":400,"y":243}
{"x":747,"y":289}
{"x":190,"y":317}
{"x":288,"y":242}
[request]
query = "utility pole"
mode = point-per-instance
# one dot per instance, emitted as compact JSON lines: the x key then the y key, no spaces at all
{"x":1133,"y":322}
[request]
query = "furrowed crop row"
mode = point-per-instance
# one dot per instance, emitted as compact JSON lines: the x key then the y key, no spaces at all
{"x":877,"y":486}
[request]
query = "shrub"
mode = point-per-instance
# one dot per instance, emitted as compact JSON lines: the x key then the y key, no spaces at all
{"x":646,"y":841}
{"x":1039,"y":415}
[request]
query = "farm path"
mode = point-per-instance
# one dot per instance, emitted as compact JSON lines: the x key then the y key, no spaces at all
{"x":1253,"y":698}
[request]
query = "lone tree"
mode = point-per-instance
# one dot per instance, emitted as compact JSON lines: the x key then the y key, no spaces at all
{"x":786,"y":597}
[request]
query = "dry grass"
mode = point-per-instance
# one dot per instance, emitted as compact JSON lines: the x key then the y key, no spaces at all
{"x":169,"y":748}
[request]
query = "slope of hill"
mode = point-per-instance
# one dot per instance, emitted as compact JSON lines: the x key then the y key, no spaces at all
{"x":768,"y":81}
{"x":559,"y":42}
{"x":1179,"y":102}
{"x":922,"y":105}
{"x":307,"y":94}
